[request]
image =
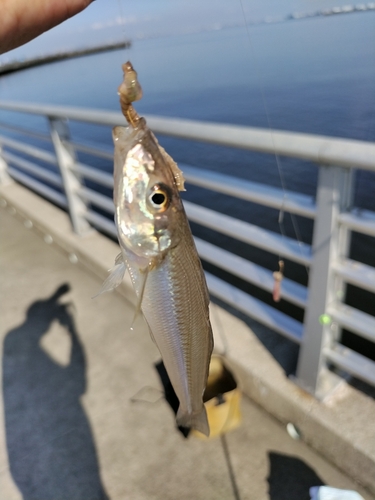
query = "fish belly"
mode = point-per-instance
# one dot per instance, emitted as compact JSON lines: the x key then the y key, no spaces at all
{"x":175,"y":305}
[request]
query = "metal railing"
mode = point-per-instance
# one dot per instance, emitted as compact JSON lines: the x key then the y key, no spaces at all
{"x":60,"y":177}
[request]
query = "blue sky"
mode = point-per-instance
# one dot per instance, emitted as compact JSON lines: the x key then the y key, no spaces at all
{"x":114,"y":20}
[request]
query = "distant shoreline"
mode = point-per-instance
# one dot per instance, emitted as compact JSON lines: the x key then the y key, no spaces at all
{"x":295,"y":16}
{"x":38,"y":61}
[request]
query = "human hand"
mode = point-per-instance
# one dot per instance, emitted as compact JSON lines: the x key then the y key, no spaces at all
{"x":23,"y":20}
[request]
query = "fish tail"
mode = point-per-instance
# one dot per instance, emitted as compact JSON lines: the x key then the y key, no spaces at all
{"x":196,"y":420}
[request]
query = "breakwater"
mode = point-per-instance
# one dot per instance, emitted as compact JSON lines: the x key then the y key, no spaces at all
{"x":46,"y":59}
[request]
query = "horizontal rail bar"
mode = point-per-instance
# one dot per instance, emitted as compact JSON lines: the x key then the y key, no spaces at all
{"x":352,"y":362}
{"x":254,"y":308}
{"x":109,"y":227}
{"x":356,"y":273}
{"x":88,"y":115}
{"x":97,"y":199}
{"x":92,"y":150}
{"x":322,"y":150}
{"x":38,"y":153}
{"x":25,"y":131}
{"x":40,"y":188}
{"x":98,"y":176}
{"x":362,"y":221}
{"x":249,"y":233}
{"x":356,"y":321}
{"x":250,"y":272}
{"x":318,"y":149}
{"x":101,"y":223}
{"x":34,"y":169}
{"x":251,"y":191}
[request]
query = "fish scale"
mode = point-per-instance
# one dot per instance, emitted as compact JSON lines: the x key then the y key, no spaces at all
{"x":176,"y":309}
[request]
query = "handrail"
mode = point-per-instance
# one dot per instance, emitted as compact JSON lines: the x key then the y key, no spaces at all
{"x":355,"y":273}
{"x":256,"y":192}
{"x":332,"y":213}
{"x":269,"y":316}
{"x":249,"y":233}
{"x":40,"y":188}
{"x":34,"y":169}
{"x":359,"y":220}
{"x":38,"y":153}
{"x":27,"y":132}
{"x":315,"y":148}
{"x":252,"y":273}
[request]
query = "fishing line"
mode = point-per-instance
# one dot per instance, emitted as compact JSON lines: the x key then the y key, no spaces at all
{"x":232,"y":476}
{"x":122,"y":20}
{"x":276,"y":155}
{"x":220,"y":328}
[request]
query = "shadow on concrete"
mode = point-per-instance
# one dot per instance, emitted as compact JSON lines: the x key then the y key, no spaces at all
{"x":169,"y":394}
{"x":362,"y":386}
{"x":290,"y":478}
{"x":50,"y":444}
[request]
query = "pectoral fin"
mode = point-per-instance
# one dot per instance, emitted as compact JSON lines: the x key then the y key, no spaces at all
{"x":115,"y":277}
{"x":143,"y":275}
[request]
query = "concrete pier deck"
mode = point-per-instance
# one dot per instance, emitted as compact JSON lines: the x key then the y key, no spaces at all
{"x":71,"y":369}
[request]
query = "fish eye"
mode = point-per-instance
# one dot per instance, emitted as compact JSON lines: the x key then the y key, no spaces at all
{"x":159,"y":198}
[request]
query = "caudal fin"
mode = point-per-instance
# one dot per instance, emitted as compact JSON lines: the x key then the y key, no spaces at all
{"x":197,"y":421}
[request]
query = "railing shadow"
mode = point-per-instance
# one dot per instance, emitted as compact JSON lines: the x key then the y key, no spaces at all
{"x":290,"y":478}
{"x":49,"y":440}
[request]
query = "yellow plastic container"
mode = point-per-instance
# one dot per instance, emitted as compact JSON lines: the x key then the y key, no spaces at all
{"x":222,"y":399}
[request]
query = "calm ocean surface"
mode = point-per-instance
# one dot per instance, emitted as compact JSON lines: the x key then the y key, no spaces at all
{"x":316,"y":75}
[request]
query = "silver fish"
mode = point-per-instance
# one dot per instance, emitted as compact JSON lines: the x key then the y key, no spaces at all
{"x":158,"y":250}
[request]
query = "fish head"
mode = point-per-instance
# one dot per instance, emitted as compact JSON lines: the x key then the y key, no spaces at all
{"x":147,"y":202}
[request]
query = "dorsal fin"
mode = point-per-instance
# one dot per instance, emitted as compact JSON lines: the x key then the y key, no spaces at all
{"x":176,"y":172}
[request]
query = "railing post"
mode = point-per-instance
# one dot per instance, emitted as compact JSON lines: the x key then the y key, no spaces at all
{"x":334,"y":195}
{"x":4,"y":176}
{"x":72,"y":180}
